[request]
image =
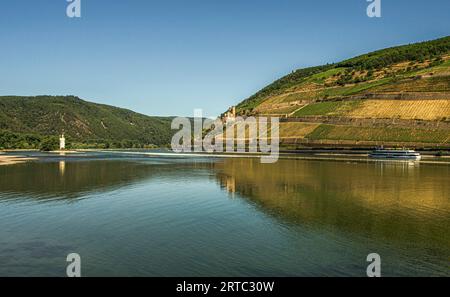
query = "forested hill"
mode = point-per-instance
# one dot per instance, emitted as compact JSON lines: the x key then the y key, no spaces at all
{"x":398,"y":96}
{"x":25,"y":122}
{"x":391,"y":64}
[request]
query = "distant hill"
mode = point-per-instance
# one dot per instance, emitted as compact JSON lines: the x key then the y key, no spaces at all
{"x":26,"y":121}
{"x":398,"y":96}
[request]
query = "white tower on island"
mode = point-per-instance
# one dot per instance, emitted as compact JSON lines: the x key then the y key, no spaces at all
{"x":62,"y":142}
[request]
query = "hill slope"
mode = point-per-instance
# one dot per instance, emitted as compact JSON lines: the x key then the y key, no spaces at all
{"x":397,"y":96}
{"x":83,"y":122}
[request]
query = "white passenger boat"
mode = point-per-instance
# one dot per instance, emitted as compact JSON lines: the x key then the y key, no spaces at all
{"x":395,"y":154}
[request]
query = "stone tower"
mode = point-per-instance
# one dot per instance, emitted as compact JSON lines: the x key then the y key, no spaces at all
{"x":62,"y":142}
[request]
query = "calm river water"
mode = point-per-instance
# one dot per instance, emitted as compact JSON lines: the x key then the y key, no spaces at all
{"x":161,"y":216}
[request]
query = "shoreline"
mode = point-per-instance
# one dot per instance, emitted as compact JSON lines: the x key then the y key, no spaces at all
{"x":311,"y":156}
{"x":324,"y":150}
{"x":12,"y":157}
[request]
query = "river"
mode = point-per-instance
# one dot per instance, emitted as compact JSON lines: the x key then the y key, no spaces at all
{"x":132,"y":215}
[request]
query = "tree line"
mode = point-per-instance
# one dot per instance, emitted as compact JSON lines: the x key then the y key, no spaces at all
{"x":11,"y":141}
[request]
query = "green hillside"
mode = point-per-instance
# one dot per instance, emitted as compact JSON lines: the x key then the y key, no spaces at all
{"x":365,"y":100}
{"x":26,"y":122}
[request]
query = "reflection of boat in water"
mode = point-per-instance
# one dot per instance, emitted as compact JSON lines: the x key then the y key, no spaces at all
{"x":395,"y":154}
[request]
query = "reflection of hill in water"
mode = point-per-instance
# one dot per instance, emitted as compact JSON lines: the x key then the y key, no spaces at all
{"x":71,"y":180}
{"x":58,"y":179}
{"x":375,"y":200}
{"x":66,"y":180}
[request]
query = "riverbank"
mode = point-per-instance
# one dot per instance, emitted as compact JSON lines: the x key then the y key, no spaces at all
{"x":15,"y":157}
{"x":335,"y":156}
{"x":12,"y":160}
{"x":66,"y":152}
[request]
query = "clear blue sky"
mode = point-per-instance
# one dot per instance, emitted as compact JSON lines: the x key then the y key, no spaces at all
{"x":168,"y":57}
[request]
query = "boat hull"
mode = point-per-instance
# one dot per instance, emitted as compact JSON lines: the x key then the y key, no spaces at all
{"x":395,"y":155}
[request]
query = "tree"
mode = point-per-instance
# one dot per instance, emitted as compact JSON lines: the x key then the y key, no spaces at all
{"x":49,"y":144}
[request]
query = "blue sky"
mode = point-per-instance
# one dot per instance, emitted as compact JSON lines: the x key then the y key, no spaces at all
{"x":170,"y":57}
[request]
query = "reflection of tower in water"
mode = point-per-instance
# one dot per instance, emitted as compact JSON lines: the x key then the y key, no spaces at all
{"x":231,"y":184}
{"x":228,"y":183}
{"x":62,"y":168}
